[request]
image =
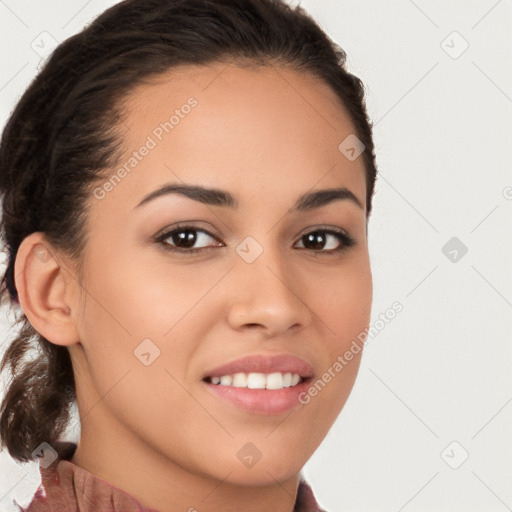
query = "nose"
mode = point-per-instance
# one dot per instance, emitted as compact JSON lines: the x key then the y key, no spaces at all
{"x":267,"y":295}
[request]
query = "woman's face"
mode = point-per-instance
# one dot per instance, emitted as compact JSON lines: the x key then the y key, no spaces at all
{"x":156,"y":323}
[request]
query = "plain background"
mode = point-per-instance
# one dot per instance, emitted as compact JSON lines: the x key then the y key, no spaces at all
{"x":428,"y":424}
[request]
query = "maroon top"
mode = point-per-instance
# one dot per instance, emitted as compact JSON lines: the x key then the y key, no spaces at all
{"x":66,"y":487}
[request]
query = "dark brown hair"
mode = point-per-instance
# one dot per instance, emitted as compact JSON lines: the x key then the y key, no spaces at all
{"x":62,"y":136}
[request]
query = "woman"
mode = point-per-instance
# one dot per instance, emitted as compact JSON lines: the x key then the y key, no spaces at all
{"x":186,"y":188}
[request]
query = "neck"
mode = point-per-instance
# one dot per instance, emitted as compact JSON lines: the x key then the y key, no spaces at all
{"x":126,"y":462}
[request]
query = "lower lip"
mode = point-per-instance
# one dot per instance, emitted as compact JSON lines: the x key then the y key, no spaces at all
{"x":261,"y":401}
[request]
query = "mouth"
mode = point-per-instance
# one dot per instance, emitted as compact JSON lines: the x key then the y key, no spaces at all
{"x":263,"y":384}
{"x":255,"y":380}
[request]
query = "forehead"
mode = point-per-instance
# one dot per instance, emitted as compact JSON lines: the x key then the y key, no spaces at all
{"x":242,"y":128}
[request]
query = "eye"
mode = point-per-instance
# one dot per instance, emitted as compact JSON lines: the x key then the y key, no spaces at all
{"x":183,"y":238}
{"x":327,"y":241}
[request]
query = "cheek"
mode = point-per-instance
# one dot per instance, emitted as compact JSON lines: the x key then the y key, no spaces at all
{"x":136,"y":299}
{"x":138,"y":338}
{"x":344,"y":309}
{"x":143,"y":319}
{"x":344,"y":303}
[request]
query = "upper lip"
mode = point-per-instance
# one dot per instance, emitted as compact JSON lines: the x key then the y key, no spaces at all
{"x":261,"y":363}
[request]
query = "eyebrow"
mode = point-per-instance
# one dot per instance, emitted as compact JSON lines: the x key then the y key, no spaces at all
{"x":218,"y":197}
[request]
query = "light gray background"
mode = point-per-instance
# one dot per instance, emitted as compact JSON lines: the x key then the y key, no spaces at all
{"x":439,"y":373}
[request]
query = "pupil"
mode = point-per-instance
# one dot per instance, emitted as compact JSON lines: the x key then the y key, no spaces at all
{"x":320,"y":240}
{"x":186,"y":238}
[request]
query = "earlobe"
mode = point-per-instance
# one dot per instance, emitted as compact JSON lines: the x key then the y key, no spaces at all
{"x":41,"y":281}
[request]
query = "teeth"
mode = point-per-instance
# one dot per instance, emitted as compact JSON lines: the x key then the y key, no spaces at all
{"x":276,"y":380}
{"x":226,"y":380}
{"x":256,"y":381}
{"x":239,"y":380}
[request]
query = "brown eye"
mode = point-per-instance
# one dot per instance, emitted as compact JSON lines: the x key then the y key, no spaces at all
{"x":184,"y":238}
{"x":326,"y":240}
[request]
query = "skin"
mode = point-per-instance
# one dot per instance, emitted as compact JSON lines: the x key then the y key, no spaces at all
{"x":267,"y":135}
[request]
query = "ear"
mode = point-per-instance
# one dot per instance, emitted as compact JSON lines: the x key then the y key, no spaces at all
{"x":45,"y":286}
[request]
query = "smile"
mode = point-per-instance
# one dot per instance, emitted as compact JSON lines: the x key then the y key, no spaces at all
{"x":276,"y":380}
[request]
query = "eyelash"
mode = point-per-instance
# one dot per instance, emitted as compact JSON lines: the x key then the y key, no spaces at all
{"x":345,"y":240}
